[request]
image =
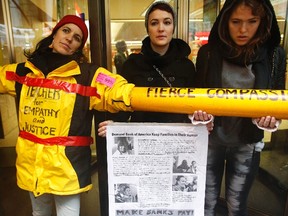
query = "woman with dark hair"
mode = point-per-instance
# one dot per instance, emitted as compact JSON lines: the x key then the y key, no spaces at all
{"x":242,"y":52}
{"x":162,"y":62}
{"x":57,"y":91}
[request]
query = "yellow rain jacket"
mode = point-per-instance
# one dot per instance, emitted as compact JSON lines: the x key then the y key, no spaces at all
{"x":55,"y":118}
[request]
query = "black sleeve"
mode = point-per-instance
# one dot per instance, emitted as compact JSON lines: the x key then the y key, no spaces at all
{"x":201,"y":66}
{"x":280,"y":68}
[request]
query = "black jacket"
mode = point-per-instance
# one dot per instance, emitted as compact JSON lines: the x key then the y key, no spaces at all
{"x":175,"y":66}
{"x":209,"y":67}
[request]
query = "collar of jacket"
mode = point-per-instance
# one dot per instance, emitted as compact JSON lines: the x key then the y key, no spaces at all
{"x":70,"y":69}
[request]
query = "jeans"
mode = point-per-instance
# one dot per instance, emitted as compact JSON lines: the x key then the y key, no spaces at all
{"x":241,"y":165}
{"x":65,"y":205}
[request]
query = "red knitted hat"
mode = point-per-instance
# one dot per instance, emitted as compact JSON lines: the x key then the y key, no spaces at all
{"x":75,"y":20}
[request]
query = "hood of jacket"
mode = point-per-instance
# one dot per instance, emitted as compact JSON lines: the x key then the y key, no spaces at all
{"x":178,"y":49}
{"x":272,"y":41}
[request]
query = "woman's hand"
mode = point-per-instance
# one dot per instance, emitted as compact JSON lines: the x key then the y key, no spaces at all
{"x":102,"y":127}
{"x":201,"y":117}
{"x":268,"y":123}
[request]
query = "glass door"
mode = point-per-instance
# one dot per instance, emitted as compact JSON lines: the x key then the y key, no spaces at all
{"x":8,"y":115}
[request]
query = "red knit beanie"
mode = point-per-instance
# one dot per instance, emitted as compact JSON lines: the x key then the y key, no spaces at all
{"x":75,"y":20}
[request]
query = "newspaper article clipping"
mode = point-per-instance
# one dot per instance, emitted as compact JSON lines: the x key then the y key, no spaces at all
{"x":156,"y":169}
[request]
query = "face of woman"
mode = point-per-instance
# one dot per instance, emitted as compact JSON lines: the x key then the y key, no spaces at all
{"x":67,"y":39}
{"x":128,"y":191}
{"x":182,"y":181}
{"x":243,"y":25}
{"x":160,"y":29}
{"x":122,"y":149}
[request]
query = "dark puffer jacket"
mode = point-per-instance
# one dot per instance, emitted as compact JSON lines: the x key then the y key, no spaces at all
{"x":175,"y":66}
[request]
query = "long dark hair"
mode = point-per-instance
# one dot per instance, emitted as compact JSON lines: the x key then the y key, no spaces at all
{"x":42,"y":47}
{"x":262,"y":34}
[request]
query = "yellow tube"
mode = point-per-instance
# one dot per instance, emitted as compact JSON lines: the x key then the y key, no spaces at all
{"x":217,"y":101}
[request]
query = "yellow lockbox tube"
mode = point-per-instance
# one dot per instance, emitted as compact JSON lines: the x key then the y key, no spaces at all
{"x":216,"y":101}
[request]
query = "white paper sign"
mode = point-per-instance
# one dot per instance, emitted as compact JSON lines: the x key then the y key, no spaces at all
{"x":156,"y":169}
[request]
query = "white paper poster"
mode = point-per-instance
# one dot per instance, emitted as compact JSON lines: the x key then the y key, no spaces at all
{"x":156,"y":169}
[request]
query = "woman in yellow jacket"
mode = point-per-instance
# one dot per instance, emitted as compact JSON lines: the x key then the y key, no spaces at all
{"x":57,"y":90}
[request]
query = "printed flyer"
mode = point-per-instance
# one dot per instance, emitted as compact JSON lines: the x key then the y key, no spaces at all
{"x":156,"y":169}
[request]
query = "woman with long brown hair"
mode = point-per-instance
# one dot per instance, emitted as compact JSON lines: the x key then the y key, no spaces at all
{"x":242,"y":52}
